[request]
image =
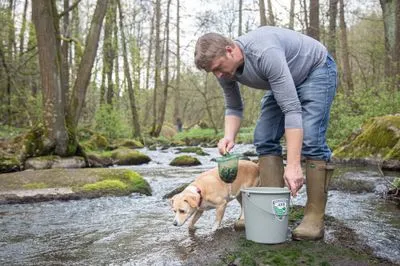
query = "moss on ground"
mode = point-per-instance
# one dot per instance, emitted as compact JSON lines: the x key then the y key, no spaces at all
{"x":342,"y":252}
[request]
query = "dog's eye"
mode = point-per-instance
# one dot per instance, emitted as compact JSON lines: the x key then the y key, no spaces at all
{"x":181,"y":211}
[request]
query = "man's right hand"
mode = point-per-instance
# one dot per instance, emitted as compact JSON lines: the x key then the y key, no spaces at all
{"x":225,"y":145}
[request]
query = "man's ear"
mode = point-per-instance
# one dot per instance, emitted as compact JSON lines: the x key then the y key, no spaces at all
{"x":193,"y":200}
{"x":228,"y":49}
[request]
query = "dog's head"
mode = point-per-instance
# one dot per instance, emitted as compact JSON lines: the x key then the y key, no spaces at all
{"x":184,"y":205}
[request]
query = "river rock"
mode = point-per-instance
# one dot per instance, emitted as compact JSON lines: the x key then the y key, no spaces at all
{"x":47,"y":162}
{"x":66,"y":184}
{"x":378,"y":142}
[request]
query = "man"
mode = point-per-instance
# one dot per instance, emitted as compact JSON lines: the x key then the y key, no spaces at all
{"x":300,"y":80}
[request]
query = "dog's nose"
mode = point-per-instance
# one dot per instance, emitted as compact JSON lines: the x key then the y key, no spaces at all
{"x":175,"y":223}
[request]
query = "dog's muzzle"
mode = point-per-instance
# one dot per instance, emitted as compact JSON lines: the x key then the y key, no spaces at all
{"x":175,"y":223}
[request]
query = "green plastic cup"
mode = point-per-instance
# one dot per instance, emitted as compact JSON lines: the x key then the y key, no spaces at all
{"x":228,"y":167}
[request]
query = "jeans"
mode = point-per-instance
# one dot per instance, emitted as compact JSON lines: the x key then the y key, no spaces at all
{"x":316,"y":94}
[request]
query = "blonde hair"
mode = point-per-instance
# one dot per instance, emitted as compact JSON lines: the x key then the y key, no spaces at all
{"x":209,"y":47}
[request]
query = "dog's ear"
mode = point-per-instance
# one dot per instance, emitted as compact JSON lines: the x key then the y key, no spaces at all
{"x":193,"y":200}
{"x":171,"y":200}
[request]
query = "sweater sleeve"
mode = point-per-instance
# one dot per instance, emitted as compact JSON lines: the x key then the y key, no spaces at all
{"x":273,"y":66}
{"x":233,"y":98}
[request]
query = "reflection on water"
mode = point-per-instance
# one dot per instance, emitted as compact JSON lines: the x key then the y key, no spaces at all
{"x":138,"y":230}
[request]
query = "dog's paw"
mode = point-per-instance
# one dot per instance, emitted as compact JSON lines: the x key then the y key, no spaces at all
{"x":191,"y":228}
{"x":215,"y":227}
{"x":239,"y":225}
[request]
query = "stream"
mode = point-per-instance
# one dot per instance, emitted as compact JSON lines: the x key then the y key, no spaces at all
{"x":138,"y":230}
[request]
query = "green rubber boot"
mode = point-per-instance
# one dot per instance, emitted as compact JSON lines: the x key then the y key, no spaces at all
{"x":318,"y":174}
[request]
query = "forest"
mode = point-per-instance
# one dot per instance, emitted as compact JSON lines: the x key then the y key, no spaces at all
{"x":125,"y":68}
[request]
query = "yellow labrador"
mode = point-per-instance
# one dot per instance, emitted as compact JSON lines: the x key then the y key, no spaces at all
{"x":208,"y":191}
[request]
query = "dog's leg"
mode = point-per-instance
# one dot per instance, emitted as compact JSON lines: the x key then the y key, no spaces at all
{"x":220,"y":210}
{"x":239,"y":199}
{"x":195,"y":218}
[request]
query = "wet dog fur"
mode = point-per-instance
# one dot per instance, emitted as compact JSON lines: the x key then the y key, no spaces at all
{"x":208,"y":191}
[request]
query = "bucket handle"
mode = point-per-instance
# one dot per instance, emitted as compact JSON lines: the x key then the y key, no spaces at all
{"x":248,"y":196}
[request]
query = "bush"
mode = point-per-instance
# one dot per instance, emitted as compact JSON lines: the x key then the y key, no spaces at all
{"x":109,"y":122}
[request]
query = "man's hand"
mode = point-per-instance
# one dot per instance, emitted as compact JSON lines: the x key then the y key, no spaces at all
{"x":294,"y":178}
{"x":225,"y":145}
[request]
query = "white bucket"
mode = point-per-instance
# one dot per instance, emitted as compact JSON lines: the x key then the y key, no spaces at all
{"x":266,"y":211}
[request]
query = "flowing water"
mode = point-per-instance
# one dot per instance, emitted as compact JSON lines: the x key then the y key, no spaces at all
{"x":138,"y":230}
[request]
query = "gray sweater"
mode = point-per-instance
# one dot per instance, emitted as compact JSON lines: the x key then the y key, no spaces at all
{"x":277,"y":59}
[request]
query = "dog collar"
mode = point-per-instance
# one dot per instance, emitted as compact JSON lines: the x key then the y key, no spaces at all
{"x":198,"y":191}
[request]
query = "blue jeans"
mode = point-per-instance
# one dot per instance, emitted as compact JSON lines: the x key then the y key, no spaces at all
{"x":316,"y":94}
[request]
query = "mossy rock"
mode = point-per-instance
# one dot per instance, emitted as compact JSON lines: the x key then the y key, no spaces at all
{"x":379,"y":138}
{"x":185,"y":160}
{"x":96,"y":142}
{"x":35,"y":142}
{"x":9,"y":163}
{"x":125,"y":156}
{"x":130,"y":143}
{"x":49,"y":184}
{"x":122,"y":182}
{"x":99,"y":158}
{"x":197,"y":150}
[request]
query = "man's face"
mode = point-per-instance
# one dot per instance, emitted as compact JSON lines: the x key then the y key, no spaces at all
{"x":224,"y":66}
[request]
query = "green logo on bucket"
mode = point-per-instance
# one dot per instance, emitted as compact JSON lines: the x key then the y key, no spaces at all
{"x":280,"y":209}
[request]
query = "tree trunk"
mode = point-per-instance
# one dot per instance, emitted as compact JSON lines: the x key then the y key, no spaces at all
{"x":157,"y":59}
{"x":110,"y":50}
{"x":391,"y":19}
{"x":313,"y":30}
{"x":177,"y":100}
{"x":132,"y":100}
{"x":45,"y":18}
{"x":64,"y":57}
{"x":332,"y":27}
{"x":86,"y":64}
{"x":23,"y":28}
{"x":240,"y":31}
{"x":271,"y":17}
{"x":305,"y":12}
{"x":346,"y":71}
{"x":263,"y":18}
{"x":163,"y":103}
{"x":146,"y":117}
{"x":291,"y":19}
{"x":7,"y":118}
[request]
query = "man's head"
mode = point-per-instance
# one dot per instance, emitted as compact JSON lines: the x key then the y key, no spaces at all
{"x":218,"y":54}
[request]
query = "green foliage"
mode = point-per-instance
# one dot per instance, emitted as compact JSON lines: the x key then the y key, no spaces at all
{"x":396,"y":182}
{"x":347,"y":117}
{"x":109,"y":122}
{"x":9,"y":131}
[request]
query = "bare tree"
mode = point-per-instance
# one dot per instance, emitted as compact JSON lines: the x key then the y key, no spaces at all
{"x":291,"y":18}
{"x":313,"y":30}
{"x":391,"y":19}
{"x":45,"y":19}
{"x":271,"y":17}
{"x":240,"y":31}
{"x":263,"y":18}
{"x":332,"y":27}
{"x":177,"y":100}
{"x":132,"y":98}
{"x":163,"y":103}
{"x":347,"y":77}
{"x":157,"y":71}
